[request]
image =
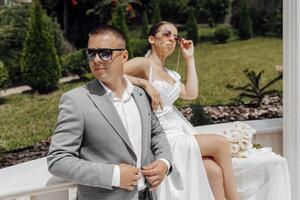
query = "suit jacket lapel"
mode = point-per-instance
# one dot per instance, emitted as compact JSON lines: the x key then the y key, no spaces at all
{"x":140,"y":102}
{"x":107,"y":109}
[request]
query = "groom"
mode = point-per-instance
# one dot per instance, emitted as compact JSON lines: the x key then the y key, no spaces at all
{"x":107,"y":139}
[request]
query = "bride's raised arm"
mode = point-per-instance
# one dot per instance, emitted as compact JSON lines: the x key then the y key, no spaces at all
{"x":189,"y":90}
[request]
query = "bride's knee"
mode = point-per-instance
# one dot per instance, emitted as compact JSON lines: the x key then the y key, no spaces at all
{"x":221,"y":143}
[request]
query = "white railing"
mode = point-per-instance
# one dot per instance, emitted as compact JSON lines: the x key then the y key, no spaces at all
{"x":31,"y":180}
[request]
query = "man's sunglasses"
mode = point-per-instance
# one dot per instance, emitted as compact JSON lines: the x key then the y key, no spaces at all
{"x":104,"y":54}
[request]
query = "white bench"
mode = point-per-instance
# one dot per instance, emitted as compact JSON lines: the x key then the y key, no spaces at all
{"x":263,"y":176}
{"x":259,"y":178}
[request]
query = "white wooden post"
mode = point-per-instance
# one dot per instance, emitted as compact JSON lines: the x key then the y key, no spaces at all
{"x":291,"y":91}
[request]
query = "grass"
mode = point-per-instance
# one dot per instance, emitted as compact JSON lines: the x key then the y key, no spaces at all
{"x":29,"y":118}
{"x":220,"y":64}
{"x":26,"y":119}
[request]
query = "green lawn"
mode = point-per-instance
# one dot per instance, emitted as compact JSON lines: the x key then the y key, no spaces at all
{"x":29,"y":118}
{"x":220,"y":64}
{"x":26,"y":119}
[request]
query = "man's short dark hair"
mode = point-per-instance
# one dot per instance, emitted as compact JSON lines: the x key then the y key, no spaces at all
{"x":102,"y":29}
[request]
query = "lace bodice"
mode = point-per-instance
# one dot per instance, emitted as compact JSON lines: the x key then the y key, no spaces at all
{"x":169,"y":93}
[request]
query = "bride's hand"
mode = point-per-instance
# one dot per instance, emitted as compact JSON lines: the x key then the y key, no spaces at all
{"x":187,"y":48}
{"x":156,"y":101}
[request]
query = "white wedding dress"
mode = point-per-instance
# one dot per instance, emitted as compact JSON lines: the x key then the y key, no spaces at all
{"x":191,"y":182}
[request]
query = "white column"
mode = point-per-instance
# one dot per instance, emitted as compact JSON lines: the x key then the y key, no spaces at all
{"x":291,"y":91}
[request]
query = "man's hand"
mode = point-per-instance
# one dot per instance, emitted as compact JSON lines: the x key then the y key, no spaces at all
{"x":129,"y":176}
{"x":155,"y":173}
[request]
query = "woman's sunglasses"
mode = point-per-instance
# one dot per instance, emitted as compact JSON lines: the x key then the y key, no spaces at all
{"x":104,"y":54}
{"x":167,"y":34}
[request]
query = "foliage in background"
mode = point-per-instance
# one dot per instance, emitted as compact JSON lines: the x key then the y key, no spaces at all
{"x":13,"y":27}
{"x":215,"y":10}
{"x":88,"y":76}
{"x":245,"y":24}
{"x":207,"y":34}
{"x":275,"y":23}
{"x":58,"y":36}
{"x":156,"y":17}
{"x":13,"y":22}
{"x":199,"y":116}
{"x":139,"y":47}
{"x":222,"y":34}
{"x":211,"y":11}
{"x":4,"y":79}
{"x":119,"y":21}
{"x":87,"y":13}
{"x":145,"y":26}
{"x":266,"y":16}
{"x":75,"y":63}
{"x":40,"y":64}
{"x":192,"y":27}
{"x":253,"y":90}
{"x":172,"y":9}
{"x":65,"y":12}
{"x":100,"y":9}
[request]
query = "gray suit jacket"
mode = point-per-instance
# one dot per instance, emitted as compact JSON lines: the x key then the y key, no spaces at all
{"x":90,"y":138}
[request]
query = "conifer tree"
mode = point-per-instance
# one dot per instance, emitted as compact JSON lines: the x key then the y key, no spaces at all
{"x":119,"y":21}
{"x":40,"y":64}
{"x":156,"y":12}
{"x":145,"y":28}
{"x":245,"y":23}
{"x":192,"y":27}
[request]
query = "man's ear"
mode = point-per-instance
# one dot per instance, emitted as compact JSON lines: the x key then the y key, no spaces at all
{"x":151,"y":39}
{"x":125,"y":56}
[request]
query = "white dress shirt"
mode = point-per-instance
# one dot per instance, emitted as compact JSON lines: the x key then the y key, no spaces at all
{"x":130,"y":116}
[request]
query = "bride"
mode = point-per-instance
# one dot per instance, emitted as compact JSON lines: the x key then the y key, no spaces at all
{"x":202,"y":160}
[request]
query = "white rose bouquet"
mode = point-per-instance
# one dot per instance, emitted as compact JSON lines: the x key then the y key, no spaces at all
{"x":239,"y":135}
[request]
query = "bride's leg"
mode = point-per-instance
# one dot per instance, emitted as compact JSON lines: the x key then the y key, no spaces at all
{"x":217,"y":147}
{"x":215,"y":177}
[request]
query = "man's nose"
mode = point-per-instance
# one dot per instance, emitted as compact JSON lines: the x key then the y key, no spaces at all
{"x":97,"y":58}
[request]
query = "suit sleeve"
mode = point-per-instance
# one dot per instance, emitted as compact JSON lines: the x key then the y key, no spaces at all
{"x":159,"y":143}
{"x":63,"y":157}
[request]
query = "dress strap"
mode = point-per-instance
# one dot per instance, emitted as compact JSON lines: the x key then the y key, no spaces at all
{"x":150,"y":71}
{"x":173,"y":74}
